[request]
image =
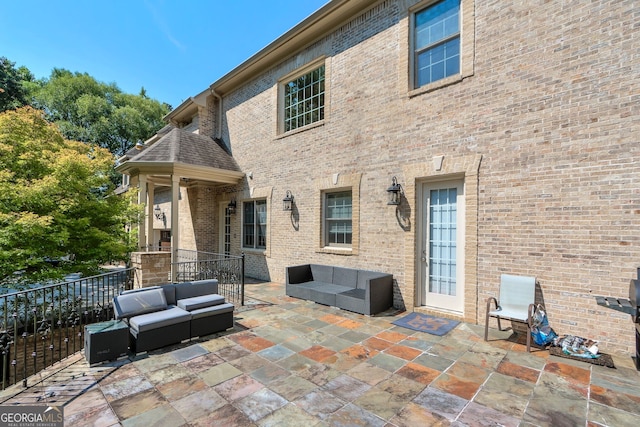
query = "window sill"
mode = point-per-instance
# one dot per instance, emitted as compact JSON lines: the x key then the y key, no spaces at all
{"x":302,"y":129}
{"x":255,"y":251}
{"x":335,"y":250}
{"x":435,"y":85}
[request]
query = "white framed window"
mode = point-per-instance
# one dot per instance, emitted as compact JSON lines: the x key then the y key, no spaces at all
{"x":254,"y":224}
{"x":338,"y":219}
{"x":303,"y":99}
{"x":436,"y":42}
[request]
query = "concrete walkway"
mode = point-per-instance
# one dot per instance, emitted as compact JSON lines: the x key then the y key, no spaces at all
{"x":289,"y":362}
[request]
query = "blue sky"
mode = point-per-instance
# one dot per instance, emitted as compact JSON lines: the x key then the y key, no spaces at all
{"x":174,"y":48}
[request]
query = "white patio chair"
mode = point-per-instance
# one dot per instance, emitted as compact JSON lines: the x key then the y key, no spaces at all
{"x":516,"y":303}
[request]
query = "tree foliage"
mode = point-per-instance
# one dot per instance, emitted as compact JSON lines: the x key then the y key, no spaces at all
{"x":13,"y":89}
{"x":55,"y":199}
{"x":90,"y":111}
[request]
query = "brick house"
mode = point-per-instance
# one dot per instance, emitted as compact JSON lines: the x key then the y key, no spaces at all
{"x":511,"y":128}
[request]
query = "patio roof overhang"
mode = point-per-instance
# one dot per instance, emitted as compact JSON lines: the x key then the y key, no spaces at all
{"x":160,"y":173}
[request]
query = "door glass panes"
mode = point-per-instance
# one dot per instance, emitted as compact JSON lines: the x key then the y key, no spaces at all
{"x":442,"y":241}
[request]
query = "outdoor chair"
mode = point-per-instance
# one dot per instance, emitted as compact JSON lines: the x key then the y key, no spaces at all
{"x":516,"y":303}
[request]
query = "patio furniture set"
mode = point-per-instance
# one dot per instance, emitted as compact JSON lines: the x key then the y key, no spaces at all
{"x":157,"y":316}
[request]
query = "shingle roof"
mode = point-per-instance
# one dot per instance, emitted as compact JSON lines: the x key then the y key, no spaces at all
{"x":179,"y":146}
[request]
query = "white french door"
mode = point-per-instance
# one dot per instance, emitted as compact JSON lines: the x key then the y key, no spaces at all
{"x":441,"y":255}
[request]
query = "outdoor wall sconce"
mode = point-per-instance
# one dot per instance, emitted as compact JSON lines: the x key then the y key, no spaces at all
{"x":231,"y":207}
{"x":158,"y":213}
{"x":394,"y":192}
{"x":287,"y":202}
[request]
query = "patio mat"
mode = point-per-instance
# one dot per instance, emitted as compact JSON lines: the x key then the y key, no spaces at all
{"x":603,"y":360}
{"x":426,"y":323}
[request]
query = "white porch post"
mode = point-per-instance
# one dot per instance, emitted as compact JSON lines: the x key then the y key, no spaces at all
{"x":150,"y":214}
{"x":175,"y":231}
{"x":142,"y":200}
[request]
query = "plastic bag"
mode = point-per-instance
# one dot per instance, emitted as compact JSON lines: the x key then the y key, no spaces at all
{"x":578,"y":346}
{"x":541,"y":332}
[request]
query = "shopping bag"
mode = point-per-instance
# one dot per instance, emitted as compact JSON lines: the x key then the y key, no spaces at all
{"x":541,"y":331}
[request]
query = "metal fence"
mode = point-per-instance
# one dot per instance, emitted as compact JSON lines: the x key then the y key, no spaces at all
{"x":44,"y":325}
{"x":228,"y":269}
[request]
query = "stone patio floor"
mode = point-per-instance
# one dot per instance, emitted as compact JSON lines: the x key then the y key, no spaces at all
{"x":289,"y":362}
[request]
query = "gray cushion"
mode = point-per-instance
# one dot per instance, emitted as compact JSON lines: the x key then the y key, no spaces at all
{"x":353,"y":300}
{"x":194,"y":303}
{"x":196,"y":288}
{"x":212,"y":311}
{"x":301,"y":290}
{"x":159,"y":319}
{"x":322,"y":273}
{"x":326,"y":293}
{"x":345,"y":276}
{"x":139,"y":302}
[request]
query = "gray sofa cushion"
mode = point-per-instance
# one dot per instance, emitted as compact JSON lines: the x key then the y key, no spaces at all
{"x":345,"y":276}
{"x":325,"y":293}
{"x":322,"y":273}
{"x":353,"y":300}
{"x":212,"y":311}
{"x":196,"y":288}
{"x":195,"y":303}
{"x":158,"y":319}
{"x":140,"y":302}
{"x":302,"y":290}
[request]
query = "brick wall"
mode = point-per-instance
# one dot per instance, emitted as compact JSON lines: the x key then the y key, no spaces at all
{"x":543,"y":130}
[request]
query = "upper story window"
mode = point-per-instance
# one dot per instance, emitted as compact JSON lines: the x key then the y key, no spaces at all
{"x":338,"y":218}
{"x":437,"y":42}
{"x":304,"y":100}
{"x":254,"y":224}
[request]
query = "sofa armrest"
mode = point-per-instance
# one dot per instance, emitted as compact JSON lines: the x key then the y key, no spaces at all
{"x":379,"y":292}
{"x":299,"y":274}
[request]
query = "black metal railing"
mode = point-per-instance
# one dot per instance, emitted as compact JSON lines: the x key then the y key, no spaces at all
{"x":228,"y":269}
{"x":44,"y":325}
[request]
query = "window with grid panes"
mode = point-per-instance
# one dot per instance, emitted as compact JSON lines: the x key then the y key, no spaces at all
{"x":338,"y":220}
{"x":437,"y":42}
{"x":304,"y":100}
{"x":254,"y":224}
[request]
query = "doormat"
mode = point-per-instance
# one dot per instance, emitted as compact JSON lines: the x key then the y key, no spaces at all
{"x":603,"y":360}
{"x":426,"y":323}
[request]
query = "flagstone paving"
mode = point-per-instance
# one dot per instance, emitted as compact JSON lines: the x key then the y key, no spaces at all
{"x":289,"y":362}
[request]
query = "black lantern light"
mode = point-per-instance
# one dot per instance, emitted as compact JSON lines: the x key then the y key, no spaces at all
{"x":158,"y":213}
{"x":394,"y":192}
{"x":287,"y":202}
{"x":231,"y":207}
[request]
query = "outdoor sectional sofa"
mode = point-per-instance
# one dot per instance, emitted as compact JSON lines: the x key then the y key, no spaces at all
{"x":361,"y":291}
{"x":158,"y":316}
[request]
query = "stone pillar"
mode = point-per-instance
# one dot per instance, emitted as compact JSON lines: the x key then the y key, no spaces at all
{"x":152,"y":268}
{"x":150,"y":214}
{"x":175,"y":222}
{"x":142,"y":200}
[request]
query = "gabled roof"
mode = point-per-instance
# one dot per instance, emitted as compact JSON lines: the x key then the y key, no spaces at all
{"x":188,"y":154}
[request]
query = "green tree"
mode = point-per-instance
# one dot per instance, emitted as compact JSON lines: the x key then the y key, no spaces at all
{"x":13,"y":92}
{"x":55,"y":200}
{"x":90,"y":111}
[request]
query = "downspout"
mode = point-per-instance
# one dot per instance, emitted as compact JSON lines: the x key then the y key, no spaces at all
{"x":218,"y":136}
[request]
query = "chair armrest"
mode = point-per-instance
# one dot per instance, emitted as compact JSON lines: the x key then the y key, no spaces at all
{"x":495,"y":302}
